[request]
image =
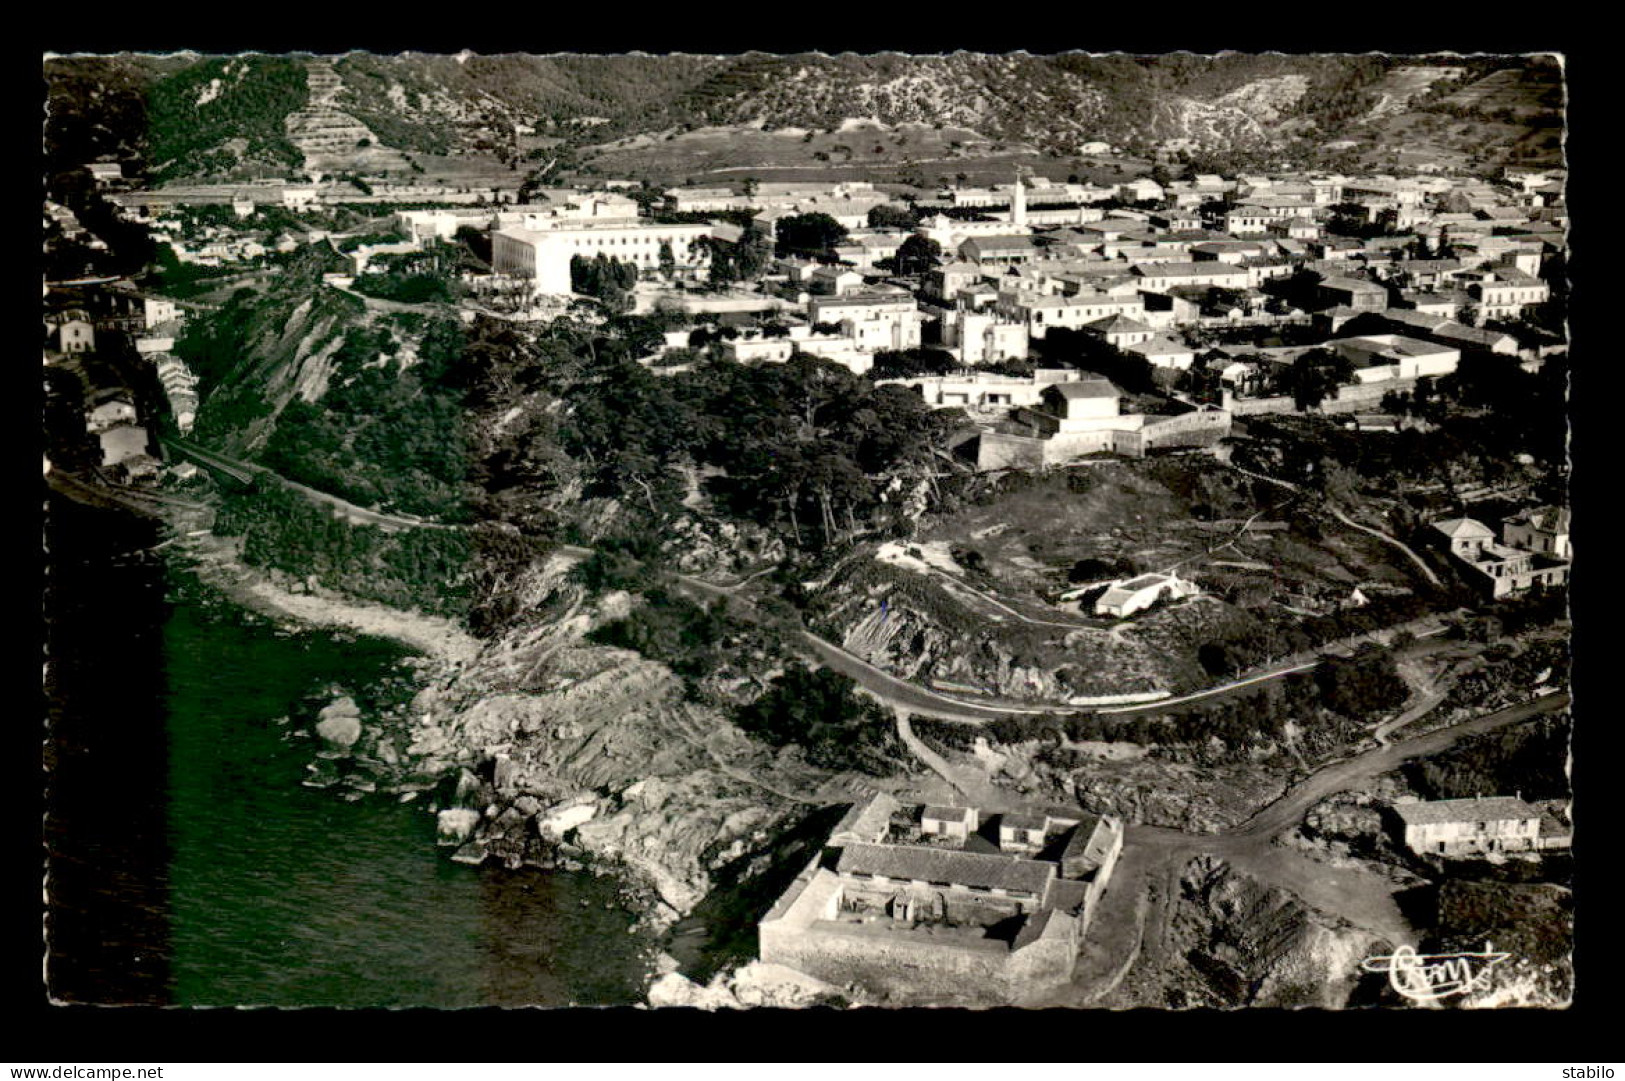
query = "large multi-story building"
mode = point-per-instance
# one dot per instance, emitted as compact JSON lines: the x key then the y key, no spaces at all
{"x":544,"y":254}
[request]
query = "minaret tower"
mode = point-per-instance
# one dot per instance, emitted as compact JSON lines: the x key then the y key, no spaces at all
{"x":1018,"y":202}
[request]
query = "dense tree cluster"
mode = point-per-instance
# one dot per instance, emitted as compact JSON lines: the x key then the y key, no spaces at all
{"x":425,"y":569}
{"x":1062,"y":347}
{"x":904,"y":364}
{"x":818,"y":711}
{"x":187,"y":126}
{"x":1314,"y":376}
{"x":382,"y":434}
{"x":813,"y":235}
{"x":915,"y":255}
{"x":609,"y":280}
{"x":741,"y":261}
{"x":1530,"y":759}
{"x":1361,"y":685}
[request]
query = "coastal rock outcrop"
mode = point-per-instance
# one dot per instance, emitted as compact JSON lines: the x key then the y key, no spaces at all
{"x":1243,"y":942}
{"x":339,"y":724}
{"x":456,"y":824}
{"x":756,"y":984}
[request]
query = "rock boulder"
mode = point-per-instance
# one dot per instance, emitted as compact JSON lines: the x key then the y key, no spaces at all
{"x":339,"y":724}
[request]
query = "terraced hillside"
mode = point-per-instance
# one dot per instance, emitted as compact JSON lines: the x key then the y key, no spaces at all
{"x":333,"y":141}
{"x":208,"y":116}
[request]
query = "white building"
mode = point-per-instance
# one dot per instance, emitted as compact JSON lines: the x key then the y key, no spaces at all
{"x":156,"y":310}
{"x":872,"y":322}
{"x":1379,"y":357}
{"x":1460,"y":827}
{"x":975,"y":337}
{"x":1042,"y":313}
{"x":544,"y":255}
{"x":1137,"y":594}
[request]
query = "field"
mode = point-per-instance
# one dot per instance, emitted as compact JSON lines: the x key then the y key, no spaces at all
{"x":472,"y":170}
{"x":916,"y":153}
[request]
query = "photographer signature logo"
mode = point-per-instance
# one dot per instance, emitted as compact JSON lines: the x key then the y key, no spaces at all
{"x":1426,"y":977}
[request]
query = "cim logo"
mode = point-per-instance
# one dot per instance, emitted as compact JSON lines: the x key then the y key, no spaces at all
{"x":1427,"y":977}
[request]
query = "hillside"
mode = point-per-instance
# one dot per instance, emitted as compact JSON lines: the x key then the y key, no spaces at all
{"x":213,"y":116}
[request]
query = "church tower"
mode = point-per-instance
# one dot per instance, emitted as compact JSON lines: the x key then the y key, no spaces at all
{"x":1018,"y":202}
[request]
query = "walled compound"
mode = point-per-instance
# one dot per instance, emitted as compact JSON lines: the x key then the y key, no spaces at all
{"x":934,"y":903}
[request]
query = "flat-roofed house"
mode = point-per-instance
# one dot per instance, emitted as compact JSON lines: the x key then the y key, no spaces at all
{"x":1470,"y":827}
{"x":955,"y":822}
{"x":1023,"y":832}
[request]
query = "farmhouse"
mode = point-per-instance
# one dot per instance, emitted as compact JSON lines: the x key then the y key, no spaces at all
{"x":1137,"y":594}
{"x":1470,"y":827}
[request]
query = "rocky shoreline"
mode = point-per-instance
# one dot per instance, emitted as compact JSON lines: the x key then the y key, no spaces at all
{"x":542,"y":750}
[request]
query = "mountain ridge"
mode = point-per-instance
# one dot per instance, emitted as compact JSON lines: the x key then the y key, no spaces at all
{"x":192,"y":116}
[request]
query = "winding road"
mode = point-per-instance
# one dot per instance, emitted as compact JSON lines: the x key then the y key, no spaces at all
{"x":1134,"y":919}
{"x":888,"y":689}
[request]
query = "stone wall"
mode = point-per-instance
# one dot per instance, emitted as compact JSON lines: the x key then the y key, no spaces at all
{"x":1197,"y":429}
{"x":996,"y":450}
{"x":1359,"y":398}
{"x":909,"y":964}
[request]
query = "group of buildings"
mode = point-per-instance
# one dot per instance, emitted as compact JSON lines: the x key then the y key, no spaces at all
{"x":1480,"y":826}
{"x":123,"y":437}
{"x":1533,"y":551}
{"x":933,"y":901}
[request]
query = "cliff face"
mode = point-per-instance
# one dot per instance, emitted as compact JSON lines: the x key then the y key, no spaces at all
{"x":1250,"y":944}
{"x":548,"y":750}
{"x":257,"y":355}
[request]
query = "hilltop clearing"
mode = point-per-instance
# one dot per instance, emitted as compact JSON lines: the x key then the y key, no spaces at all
{"x":995,"y":592}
